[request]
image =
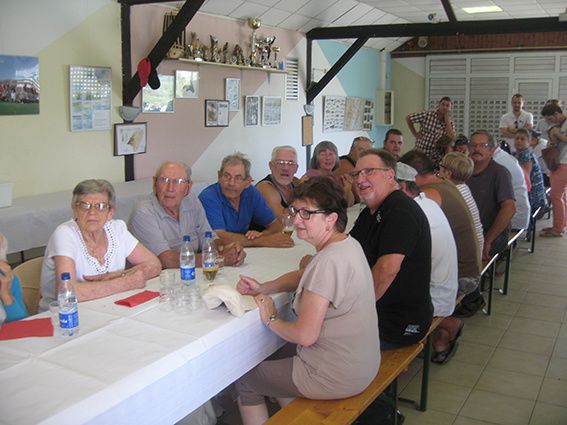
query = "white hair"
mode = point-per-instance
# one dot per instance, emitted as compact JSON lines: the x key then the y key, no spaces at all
{"x":286,"y":148}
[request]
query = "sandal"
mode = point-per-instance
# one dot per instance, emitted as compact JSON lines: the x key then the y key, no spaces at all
{"x":442,"y":357}
{"x":551,"y":233}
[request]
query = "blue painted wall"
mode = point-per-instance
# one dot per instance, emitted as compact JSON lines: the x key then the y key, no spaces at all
{"x":360,"y":76}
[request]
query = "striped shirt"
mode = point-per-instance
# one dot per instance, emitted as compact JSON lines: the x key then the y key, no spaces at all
{"x":469,"y":200}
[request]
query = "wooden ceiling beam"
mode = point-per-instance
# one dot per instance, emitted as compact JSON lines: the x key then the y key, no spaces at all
{"x":500,"y":26}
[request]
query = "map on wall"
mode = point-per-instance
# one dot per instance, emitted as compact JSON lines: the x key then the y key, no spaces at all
{"x":354,"y":113}
{"x":333,"y":113}
{"x":90,"y":92}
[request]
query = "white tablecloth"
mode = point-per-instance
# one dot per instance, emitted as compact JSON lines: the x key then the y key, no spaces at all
{"x":31,"y":220}
{"x":139,"y":365}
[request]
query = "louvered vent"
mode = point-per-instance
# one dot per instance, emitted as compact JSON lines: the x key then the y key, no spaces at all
{"x":488,"y":102}
{"x":497,"y":65}
{"x":563,"y":64}
{"x":534,"y":64}
{"x":292,"y":79}
{"x":455,"y":89}
{"x":563,"y":88}
{"x":443,"y":65}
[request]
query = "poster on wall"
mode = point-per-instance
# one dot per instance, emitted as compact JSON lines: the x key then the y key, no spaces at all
{"x":90,"y":90}
{"x":19,"y":85}
{"x":271,"y":110}
{"x":354,"y":113}
{"x":232,"y":93}
{"x":187,"y":84}
{"x":216,"y":113}
{"x":160,"y":100}
{"x":333,"y":113}
{"x":130,"y":139}
{"x":252,"y":111}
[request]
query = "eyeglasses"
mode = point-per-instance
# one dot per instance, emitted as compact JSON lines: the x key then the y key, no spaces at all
{"x":99,"y":206}
{"x":367,"y":172}
{"x":176,"y":182}
{"x":281,"y":163}
{"x":479,"y":145}
{"x":303,"y":213}
{"x":237,"y":179}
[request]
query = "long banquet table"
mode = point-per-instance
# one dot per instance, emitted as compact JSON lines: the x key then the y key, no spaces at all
{"x":139,"y":365}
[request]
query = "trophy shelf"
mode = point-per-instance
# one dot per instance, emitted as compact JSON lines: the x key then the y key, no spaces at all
{"x":229,"y":65}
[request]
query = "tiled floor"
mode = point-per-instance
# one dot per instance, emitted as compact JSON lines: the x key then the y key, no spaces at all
{"x":511,"y":367}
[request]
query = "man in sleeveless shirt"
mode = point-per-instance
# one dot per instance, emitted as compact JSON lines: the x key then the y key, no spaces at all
{"x":277,"y":187}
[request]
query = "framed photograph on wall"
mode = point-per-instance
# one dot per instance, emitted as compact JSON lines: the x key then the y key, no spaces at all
{"x":130,"y":139}
{"x":271,"y":110}
{"x":187,"y":84}
{"x":216,"y":113}
{"x":252,"y":111}
{"x":232,"y":93}
{"x":90,"y":91}
{"x":160,"y":100}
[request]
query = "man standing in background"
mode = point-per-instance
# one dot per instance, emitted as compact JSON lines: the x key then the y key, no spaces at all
{"x":515,"y":119}
{"x":432,"y":125}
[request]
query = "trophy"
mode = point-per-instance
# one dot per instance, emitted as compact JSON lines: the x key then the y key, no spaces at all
{"x":276,"y":50}
{"x":254,"y":23}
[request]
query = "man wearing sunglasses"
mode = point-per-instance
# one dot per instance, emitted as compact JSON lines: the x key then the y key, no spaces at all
{"x":233,"y":203}
{"x":172,"y":211}
{"x":395,"y":237}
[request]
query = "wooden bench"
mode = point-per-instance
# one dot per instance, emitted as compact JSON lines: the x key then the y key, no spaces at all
{"x":489,"y":269}
{"x":427,"y":342}
{"x":507,"y":253}
{"x":531,"y":233}
{"x":302,"y":411}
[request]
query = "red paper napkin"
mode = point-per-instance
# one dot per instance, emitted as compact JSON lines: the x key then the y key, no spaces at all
{"x":138,"y":299}
{"x":26,"y":329}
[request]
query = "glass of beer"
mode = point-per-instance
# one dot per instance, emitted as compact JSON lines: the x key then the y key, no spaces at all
{"x":287,"y":224}
{"x":210,"y":266}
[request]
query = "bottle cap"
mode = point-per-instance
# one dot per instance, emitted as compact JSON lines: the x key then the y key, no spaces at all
{"x":186,"y":238}
{"x":208,"y":234}
{"x":65,"y":276}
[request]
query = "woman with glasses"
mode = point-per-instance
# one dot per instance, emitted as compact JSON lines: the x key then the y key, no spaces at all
{"x":334,"y":294}
{"x":93,"y":248}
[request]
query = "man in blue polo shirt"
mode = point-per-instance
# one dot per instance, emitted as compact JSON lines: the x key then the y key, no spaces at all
{"x":233,"y":203}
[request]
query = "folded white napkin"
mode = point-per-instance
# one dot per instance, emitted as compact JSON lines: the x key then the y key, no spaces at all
{"x":236,"y":303}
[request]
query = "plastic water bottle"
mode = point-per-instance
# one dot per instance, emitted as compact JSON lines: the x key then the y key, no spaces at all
{"x":209,"y":245}
{"x":68,"y":310}
{"x":209,"y":257}
{"x":187,"y":262}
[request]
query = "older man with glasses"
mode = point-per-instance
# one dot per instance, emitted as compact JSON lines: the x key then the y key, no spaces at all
{"x":233,"y":203}
{"x":172,"y":211}
{"x":395,"y":237}
{"x":278,"y":187}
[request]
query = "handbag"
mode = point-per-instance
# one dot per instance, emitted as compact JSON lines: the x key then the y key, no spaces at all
{"x":551,"y":157}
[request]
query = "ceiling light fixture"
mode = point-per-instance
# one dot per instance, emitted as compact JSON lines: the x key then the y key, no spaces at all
{"x":482,"y":9}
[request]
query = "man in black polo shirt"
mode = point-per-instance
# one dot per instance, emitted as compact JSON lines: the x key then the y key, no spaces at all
{"x":395,"y":236}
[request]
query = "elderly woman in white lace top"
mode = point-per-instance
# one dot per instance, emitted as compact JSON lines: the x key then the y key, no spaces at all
{"x":94,"y":248}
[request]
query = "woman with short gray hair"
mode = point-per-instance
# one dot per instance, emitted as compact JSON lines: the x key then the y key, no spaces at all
{"x":93,"y":248}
